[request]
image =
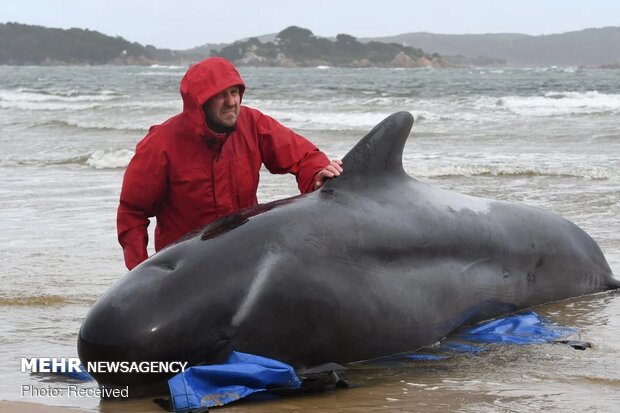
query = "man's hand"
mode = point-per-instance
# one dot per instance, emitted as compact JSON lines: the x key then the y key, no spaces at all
{"x":332,"y":170}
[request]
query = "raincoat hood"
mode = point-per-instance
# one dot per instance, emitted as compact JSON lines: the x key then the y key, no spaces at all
{"x":203,"y":81}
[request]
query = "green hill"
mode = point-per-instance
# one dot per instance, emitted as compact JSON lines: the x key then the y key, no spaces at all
{"x":296,"y":46}
{"x":22,"y":44}
{"x":589,"y":47}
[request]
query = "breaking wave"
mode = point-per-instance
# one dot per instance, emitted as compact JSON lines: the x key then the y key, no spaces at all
{"x":562,"y":103}
{"x":435,"y":169}
{"x":109,"y":159}
{"x":95,"y":125}
{"x":100,"y":159}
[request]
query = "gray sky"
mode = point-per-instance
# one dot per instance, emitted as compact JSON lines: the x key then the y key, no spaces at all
{"x":182,"y":24}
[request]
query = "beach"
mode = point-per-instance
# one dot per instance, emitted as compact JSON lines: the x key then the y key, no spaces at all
{"x":547,"y":137}
{"x":6,"y":407}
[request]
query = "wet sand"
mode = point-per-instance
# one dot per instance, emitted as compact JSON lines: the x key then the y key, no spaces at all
{"x":24,"y":407}
{"x":531,"y":378}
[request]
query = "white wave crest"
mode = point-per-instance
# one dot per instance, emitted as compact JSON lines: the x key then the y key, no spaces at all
{"x":71,"y":95}
{"x":30,"y":99}
{"x":171,"y":67}
{"x":562,"y":103}
{"x":138,"y":125}
{"x":46,"y":106}
{"x":443,"y":169}
{"x":171,"y":74}
{"x":359,"y":120}
{"x":110,"y":159}
{"x":329,"y":121}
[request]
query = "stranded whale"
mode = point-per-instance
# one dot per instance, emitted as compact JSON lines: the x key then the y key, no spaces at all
{"x":375,"y":263}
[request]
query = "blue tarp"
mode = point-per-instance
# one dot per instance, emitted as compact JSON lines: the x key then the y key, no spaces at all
{"x":239,"y":376}
{"x":245,"y":374}
{"x":82,"y":375}
{"x":522,"y":328}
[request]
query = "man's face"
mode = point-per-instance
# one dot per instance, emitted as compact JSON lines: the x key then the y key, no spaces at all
{"x":223,"y":108}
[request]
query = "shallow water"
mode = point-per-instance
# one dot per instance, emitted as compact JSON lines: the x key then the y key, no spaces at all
{"x":545,"y":137}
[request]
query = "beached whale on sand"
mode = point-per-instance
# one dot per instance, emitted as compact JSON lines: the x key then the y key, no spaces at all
{"x":374,"y":263}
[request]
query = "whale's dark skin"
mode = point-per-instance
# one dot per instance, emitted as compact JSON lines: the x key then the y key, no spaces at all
{"x":374,"y":263}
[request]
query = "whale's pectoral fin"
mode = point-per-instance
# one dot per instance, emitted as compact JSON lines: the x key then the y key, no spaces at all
{"x":377,"y":156}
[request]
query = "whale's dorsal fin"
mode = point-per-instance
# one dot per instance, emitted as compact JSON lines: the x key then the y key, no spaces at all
{"x":379,"y":155}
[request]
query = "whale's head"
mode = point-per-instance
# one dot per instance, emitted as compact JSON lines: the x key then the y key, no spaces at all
{"x":185,"y":303}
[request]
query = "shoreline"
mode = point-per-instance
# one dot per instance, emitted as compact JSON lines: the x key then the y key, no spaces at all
{"x":101,"y":406}
{"x":7,"y":406}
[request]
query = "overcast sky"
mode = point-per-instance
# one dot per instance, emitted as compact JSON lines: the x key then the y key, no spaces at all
{"x":183,"y":24}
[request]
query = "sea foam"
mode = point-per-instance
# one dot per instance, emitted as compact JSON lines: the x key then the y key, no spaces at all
{"x":562,"y":103}
{"x":110,"y":159}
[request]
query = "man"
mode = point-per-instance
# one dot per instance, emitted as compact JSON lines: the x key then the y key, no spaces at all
{"x":204,"y":163}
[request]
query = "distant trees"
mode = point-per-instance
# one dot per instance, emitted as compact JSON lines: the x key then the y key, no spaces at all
{"x":304,"y":48}
{"x":22,"y":44}
{"x":25,"y":44}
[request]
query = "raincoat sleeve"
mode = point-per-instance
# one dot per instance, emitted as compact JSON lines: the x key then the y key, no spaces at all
{"x":144,"y":185}
{"x":284,"y":151}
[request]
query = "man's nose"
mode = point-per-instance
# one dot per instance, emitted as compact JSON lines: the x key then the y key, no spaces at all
{"x":229,"y":99}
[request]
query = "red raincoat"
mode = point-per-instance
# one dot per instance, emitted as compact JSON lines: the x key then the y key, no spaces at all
{"x":187,"y":176}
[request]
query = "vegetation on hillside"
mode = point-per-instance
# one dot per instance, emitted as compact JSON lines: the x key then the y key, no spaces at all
{"x":296,"y":46}
{"x":22,"y":44}
{"x":588,"y":47}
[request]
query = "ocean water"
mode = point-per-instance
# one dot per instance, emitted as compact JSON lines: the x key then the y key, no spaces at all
{"x":548,"y":137}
